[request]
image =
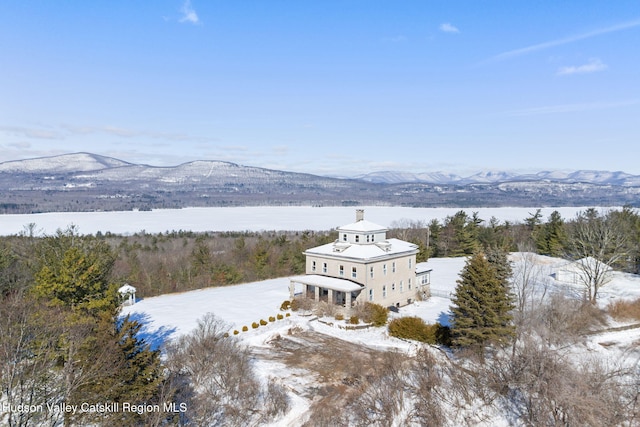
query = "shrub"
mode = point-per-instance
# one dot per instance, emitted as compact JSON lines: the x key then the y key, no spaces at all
{"x":625,"y":310}
{"x":375,"y":314}
{"x":414,"y":328}
{"x":245,"y":328}
{"x":236,"y":332}
{"x":272,"y":319}
{"x":570,"y":318}
{"x":280,"y":316}
{"x":254,"y":325}
{"x":443,"y":335}
{"x":226,"y":334}
{"x":287,"y":314}
{"x":354,"y":320}
{"x":294,"y":305}
{"x":263,"y":322}
{"x":286,"y":305}
{"x":339,"y":316}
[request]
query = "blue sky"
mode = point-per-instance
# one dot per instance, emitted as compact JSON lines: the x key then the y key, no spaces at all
{"x":325,"y":87}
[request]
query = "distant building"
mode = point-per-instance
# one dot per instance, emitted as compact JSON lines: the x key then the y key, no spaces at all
{"x":582,"y":271}
{"x":127,"y":294}
{"x":363,"y":265}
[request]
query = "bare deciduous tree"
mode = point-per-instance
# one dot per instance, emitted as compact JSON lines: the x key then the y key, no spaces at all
{"x":597,"y":242}
{"x":26,"y":363}
{"x":220,"y":387}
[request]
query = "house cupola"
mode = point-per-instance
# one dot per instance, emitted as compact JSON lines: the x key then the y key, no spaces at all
{"x":361,"y":232}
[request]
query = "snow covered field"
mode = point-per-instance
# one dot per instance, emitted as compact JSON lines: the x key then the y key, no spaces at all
{"x":168,"y":316}
{"x":247,"y":218}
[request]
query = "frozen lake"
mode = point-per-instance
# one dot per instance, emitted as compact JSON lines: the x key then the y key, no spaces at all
{"x":248,"y":218}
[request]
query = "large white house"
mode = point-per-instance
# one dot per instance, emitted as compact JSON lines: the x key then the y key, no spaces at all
{"x":363,"y":265}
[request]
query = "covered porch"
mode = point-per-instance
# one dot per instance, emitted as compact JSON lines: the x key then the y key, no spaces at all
{"x":323,"y":288}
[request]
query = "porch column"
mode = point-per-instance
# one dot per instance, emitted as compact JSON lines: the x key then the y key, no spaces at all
{"x":317,"y":293}
{"x":330,"y":299}
{"x":348,"y":299}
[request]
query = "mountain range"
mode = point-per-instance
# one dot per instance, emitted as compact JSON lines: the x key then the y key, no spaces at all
{"x":89,"y":182}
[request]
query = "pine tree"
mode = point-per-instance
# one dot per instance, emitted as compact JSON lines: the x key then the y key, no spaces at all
{"x":99,"y":357}
{"x":551,"y":238}
{"x":74,"y":273}
{"x":482,"y":303}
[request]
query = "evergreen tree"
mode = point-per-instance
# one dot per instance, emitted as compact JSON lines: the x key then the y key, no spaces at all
{"x":99,"y":357}
{"x":551,"y":238}
{"x":499,"y":260}
{"x":74,"y":273}
{"x":459,"y":236}
{"x":482,"y":303}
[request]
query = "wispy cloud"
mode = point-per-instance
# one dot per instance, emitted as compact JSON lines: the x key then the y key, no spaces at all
{"x":563,"y":41}
{"x":189,"y":15}
{"x":572,"y":108}
{"x":448,"y":28}
{"x":594,"y":65}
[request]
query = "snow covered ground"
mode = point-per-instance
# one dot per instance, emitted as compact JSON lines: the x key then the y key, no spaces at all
{"x":247,"y":218}
{"x":168,"y":316}
{"x":241,"y":305}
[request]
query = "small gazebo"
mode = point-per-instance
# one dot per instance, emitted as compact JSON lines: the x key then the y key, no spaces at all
{"x":127,"y":294}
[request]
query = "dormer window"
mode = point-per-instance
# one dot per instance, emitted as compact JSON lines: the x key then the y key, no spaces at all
{"x":344,"y":237}
{"x":357,"y":238}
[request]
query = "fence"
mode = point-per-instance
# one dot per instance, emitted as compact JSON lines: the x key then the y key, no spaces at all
{"x":441,"y":293}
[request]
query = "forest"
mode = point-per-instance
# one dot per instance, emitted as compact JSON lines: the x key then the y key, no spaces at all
{"x":64,"y":342}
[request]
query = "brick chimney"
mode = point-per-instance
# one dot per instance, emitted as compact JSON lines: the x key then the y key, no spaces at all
{"x":359,"y":214}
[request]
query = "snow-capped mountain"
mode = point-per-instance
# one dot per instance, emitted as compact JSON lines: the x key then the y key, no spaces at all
{"x":85,"y":182}
{"x":584,"y":176}
{"x":77,"y":162}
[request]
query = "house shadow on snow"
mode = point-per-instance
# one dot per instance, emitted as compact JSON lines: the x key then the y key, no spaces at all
{"x":155,"y":338}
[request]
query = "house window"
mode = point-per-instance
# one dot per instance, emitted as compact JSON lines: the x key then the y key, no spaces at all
{"x":373,"y":237}
{"x":324,"y":267}
{"x":393,"y":267}
{"x":409,"y":284}
{"x":342,"y":271}
{"x":384,"y":269}
{"x":354,"y":272}
{"x":384,"y":291}
{"x":410,"y":262}
{"x":371,"y":272}
{"x":368,"y":238}
{"x":393,"y":286}
{"x":313,"y":266}
{"x":344,"y":237}
{"x":370,"y":294}
{"x":402,"y":286}
{"x":357,"y":238}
